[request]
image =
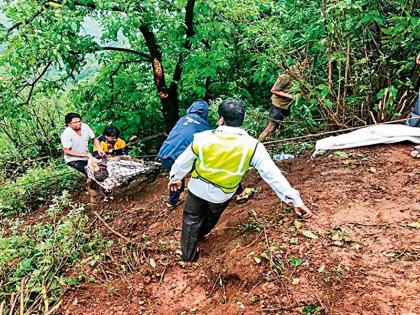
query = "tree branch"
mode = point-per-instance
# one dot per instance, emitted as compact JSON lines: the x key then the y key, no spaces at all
{"x":28,"y":21}
{"x":127,"y":50}
{"x":89,"y":5}
{"x":92,"y":5}
{"x":189,"y":18}
{"x":33,"y":84}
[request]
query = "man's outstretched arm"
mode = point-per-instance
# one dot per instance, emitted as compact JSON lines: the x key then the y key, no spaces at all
{"x":275,"y":179}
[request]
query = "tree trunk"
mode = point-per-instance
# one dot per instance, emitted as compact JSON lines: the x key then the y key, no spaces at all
{"x":170,"y":105}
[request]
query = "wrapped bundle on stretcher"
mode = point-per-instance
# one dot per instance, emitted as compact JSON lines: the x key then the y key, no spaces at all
{"x":114,"y":172}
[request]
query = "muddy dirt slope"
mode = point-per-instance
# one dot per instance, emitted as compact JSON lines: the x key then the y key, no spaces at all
{"x":359,"y":254}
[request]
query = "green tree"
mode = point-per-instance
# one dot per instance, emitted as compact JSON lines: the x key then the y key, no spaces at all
{"x":47,"y":34}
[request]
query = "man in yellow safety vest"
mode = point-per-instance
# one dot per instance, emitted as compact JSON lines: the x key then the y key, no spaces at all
{"x":219,"y":159}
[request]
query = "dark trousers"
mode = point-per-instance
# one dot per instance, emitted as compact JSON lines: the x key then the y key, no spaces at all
{"x":199,"y":218}
{"x":79,"y":165}
{"x":415,"y":113}
{"x":173,"y":195}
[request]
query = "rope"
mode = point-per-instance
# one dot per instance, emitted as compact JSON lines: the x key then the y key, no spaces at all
{"x":156,"y":135}
{"x":268,"y":143}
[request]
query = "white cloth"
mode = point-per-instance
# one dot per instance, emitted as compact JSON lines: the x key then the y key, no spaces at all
{"x":261,"y":161}
{"x":376,"y":134}
{"x":120,"y":170}
{"x":71,"y":140}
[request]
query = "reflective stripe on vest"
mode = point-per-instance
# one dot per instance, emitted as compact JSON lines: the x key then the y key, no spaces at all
{"x":223,"y":158}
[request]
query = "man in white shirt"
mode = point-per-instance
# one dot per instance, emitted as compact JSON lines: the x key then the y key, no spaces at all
{"x":75,"y":139}
{"x":219,"y":159}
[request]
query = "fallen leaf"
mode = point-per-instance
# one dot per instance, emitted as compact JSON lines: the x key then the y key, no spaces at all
{"x":372,"y":170}
{"x":265,"y":255}
{"x":415,"y":225}
{"x":297,"y":224}
{"x":357,"y":247}
{"x":295,"y":261}
{"x":310,"y":235}
{"x":152,"y":263}
{"x":294,"y":240}
{"x":322,"y":268}
{"x":257,"y":259}
{"x":341,"y":154}
{"x":295,"y":281}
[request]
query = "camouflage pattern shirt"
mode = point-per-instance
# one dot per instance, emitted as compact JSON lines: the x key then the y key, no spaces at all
{"x":284,"y":84}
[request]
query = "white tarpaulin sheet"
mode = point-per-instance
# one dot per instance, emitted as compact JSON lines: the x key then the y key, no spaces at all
{"x":119,"y":170}
{"x":371,"y":135}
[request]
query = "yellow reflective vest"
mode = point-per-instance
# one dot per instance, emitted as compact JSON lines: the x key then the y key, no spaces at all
{"x":222,"y":158}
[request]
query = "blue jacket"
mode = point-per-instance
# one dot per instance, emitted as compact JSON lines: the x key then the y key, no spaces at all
{"x":182,"y":134}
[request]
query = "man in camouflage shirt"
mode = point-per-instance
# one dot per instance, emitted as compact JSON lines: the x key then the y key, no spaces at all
{"x":281,"y":97}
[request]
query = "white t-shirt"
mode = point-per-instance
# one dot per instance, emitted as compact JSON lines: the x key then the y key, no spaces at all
{"x":71,"y":140}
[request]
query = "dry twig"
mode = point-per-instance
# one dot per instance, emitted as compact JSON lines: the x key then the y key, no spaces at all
{"x":111,"y":229}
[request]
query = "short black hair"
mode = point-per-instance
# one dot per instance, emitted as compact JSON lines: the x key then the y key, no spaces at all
{"x":69,"y":117}
{"x":302,"y":56}
{"x":111,"y":131}
{"x":233,"y":112}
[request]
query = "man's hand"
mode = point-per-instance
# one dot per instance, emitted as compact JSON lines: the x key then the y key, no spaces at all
{"x":174,"y":186}
{"x":101,"y":152}
{"x":418,"y":59}
{"x":303,"y":212}
{"x":133,"y":137}
{"x":163,"y":95}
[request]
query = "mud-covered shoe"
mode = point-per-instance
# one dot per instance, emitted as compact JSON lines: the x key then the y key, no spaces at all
{"x":171,"y":206}
{"x":247,"y":194}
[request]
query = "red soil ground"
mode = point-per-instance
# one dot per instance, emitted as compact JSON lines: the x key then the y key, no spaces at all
{"x":365,"y":259}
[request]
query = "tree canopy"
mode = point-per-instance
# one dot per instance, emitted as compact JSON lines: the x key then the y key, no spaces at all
{"x":362,"y":53}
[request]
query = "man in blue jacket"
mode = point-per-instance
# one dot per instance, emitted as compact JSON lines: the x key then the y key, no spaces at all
{"x":180,"y":138}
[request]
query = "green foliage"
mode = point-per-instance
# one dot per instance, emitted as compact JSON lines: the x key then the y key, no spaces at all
{"x":312,"y":309}
{"x":37,"y":256}
{"x":295,"y":262}
{"x":362,"y":62}
{"x":36,"y":187}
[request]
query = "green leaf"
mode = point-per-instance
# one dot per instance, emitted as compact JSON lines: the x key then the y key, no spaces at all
{"x":341,"y":154}
{"x":295,"y":261}
{"x":26,"y":264}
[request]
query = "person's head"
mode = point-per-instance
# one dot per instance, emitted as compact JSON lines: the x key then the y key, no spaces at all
{"x":111,"y":134}
{"x":73,"y":121}
{"x":303,"y":60}
{"x":231,"y":113}
{"x":200,"y":108}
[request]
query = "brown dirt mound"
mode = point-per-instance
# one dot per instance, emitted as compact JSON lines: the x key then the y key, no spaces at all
{"x":361,"y":258}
